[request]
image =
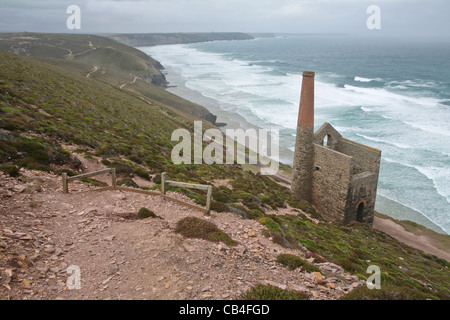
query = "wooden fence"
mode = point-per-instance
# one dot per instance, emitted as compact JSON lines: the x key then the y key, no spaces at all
{"x":66,"y":179}
{"x":164,"y":184}
{"x":207,"y":188}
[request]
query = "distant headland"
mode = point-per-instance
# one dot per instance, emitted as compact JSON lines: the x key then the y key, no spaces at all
{"x":155,"y":39}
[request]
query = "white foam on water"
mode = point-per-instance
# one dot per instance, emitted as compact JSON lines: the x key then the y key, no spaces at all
{"x":440,"y":176}
{"x":395,"y":144}
{"x":362,"y":79}
{"x":430,"y":127}
{"x":424,"y":113}
{"x":413,"y":83}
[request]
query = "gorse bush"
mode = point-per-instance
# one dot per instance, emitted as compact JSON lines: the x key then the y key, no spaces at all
{"x":141,"y":172}
{"x":12,"y":170}
{"x":128,"y":182}
{"x":293,"y":262}
{"x":144,"y":213}
{"x":192,"y":227}
{"x":267,"y":292}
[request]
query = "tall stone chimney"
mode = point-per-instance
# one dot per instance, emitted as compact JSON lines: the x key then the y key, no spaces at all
{"x":304,"y":148}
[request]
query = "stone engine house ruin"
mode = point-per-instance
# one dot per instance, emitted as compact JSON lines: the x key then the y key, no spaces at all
{"x":338,"y":176}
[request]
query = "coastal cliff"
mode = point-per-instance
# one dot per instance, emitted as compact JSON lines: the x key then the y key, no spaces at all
{"x":155,"y":39}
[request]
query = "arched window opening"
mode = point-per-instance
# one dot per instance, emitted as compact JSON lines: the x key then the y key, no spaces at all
{"x":326,"y":141}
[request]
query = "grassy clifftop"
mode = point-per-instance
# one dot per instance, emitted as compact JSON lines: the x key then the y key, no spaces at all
{"x":103,"y":59}
{"x":44,"y":105}
{"x":89,"y":50}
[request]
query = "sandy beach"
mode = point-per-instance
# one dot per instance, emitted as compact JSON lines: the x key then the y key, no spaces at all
{"x":419,"y":241}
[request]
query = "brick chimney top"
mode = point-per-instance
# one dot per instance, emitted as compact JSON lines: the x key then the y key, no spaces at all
{"x":308,"y":73}
{"x":306,"y":109}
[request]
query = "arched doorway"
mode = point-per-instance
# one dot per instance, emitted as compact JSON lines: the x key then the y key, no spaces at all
{"x":360,"y":212}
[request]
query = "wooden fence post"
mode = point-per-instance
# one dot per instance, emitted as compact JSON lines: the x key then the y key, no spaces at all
{"x":113,"y":177}
{"x":64,"y":181}
{"x":208,"y":198}
{"x":163,"y":183}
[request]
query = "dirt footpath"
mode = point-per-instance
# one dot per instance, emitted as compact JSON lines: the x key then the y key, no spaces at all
{"x":43,"y":232}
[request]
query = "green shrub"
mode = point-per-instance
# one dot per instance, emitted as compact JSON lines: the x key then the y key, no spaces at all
{"x":267,"y":292}
{"x":256,"y":213}
{"x":220,"y":196}
{"x":69,"y":172}
{"x":218,"y":206}
{"x":141,"y":172}
{"x":279,"y":236}
{"x":122,"y":168}
{"x":157,"y":178}
{"x":192,"y":227}
{"x":34,"y":150}
{"x":12,"y":170}
{"x":293,"y":262}
{"x":33,"y":165}
{"x":349,"y":265}
{"x":128,"y":182}
{"x":144,"y":213}
{"x":270,"y":224}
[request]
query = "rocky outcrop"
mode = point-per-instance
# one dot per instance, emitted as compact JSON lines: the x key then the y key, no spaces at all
{"x":210,"y":117}
{"x":158,"y":79}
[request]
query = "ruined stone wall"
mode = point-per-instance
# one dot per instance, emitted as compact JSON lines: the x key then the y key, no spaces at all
{"x":362,"y":189}
{"x":365,"y":158}
{"x":331,"y":179}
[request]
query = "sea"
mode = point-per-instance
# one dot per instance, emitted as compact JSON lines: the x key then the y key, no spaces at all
{"x":392,"y":94}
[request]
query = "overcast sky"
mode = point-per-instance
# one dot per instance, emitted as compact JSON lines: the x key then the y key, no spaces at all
{"x":398,"y":17}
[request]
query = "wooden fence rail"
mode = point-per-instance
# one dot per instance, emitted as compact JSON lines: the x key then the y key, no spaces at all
{"x":66,"y":179}
{"x":207,"y":188}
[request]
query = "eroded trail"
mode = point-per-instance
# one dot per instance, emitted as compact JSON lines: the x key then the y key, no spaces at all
{"x":131,"y":82}
{"x":94,"y":69}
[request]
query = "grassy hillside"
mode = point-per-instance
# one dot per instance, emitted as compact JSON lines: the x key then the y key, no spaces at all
{"x":87,"y":49}
{"x":102,"y":59}
{"x":43,"y":105}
